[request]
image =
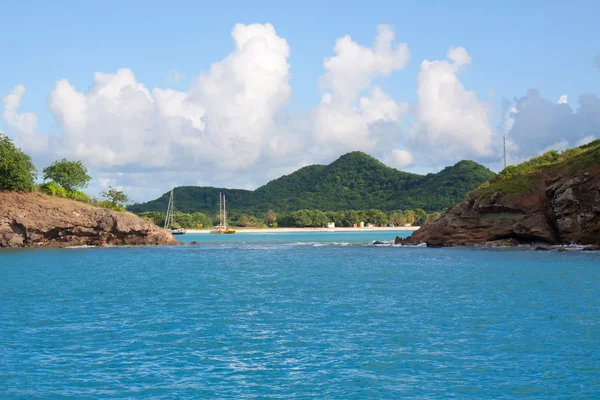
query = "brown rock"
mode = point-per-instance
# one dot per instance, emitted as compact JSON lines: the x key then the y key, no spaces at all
{"x":38,"y":220}
{"x":558,"y":209}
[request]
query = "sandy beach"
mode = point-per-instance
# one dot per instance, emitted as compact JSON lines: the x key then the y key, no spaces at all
{"x":289,"y":230}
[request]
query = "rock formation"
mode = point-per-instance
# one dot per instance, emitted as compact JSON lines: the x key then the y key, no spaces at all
{"x":38,"y":220}
{"x":561,"y":205}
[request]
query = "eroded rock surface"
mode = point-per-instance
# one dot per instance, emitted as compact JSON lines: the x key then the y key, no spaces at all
{"x":558,"y":209}
{"x":38,"y":220}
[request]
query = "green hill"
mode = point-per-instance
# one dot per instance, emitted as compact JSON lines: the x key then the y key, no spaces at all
{"x":354,"y":181}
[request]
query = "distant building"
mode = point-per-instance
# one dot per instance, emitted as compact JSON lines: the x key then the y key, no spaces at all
{"x":331,"y":225}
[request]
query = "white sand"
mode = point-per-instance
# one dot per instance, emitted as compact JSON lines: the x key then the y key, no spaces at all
{"x":288,"y":230}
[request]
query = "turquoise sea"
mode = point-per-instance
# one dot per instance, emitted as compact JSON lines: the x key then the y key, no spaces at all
{"x":298,"y":315}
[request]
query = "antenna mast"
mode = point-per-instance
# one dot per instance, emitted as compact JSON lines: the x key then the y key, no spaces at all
{"x":504,"y":150}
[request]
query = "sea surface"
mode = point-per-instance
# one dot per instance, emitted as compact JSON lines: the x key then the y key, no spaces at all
{"x":299,"y":315}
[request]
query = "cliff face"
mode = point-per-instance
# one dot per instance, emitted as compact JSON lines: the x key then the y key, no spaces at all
{"x":38,"y":220}
{"x":561,"y":205}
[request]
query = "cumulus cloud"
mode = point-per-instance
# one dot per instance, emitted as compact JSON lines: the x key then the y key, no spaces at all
{"x":539,"y":124}
{"x":450,"y":121}
{"x":399,"y":158}
{"x":347,"y":118}
{"x":228,"y":114}
{"x":23,"y":125}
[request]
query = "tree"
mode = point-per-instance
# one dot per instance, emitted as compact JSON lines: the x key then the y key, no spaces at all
{"x":377,"y":217}
{"x":157,"y":217}
{"x":71,"y":175}
{"x":421,"y":216}
{"x":397,"y":218}
{"x":115,"y":197}
{"x":16,"y":169}
{"x":270,"y":218}
{"x":411,"y":217}
{"x":433,"y":216}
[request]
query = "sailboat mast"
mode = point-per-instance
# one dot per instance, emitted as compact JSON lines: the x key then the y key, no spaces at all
{"x":169,"y":216}
{"x":224,"y":213}
{"x":220,"y":208}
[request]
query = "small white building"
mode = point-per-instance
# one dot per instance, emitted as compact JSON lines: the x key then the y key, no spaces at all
{"x":331,"y":225}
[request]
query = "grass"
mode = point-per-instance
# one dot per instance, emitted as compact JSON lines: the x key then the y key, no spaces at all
{"x":522,"y":178}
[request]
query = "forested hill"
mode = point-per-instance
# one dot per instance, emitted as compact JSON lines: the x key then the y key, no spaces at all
{"x":354,"y":181}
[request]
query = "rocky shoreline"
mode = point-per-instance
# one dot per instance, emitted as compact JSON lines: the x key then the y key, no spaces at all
{"x":557,"y":209}
{"x":39,"y":220}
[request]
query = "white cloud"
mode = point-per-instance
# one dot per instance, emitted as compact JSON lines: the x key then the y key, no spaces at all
{"x":345,"y":120}
{"x":23,"y":125}
{"x":399,"y":158}
{"x":226,"y":119}
{"x":563,"y":99}
{"x":459,"y":55}
{"x":539,"y":124}
{"x":354,"y":66}
{"x":450,"y":122}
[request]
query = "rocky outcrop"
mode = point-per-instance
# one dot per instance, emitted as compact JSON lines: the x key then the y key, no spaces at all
{"x":38,"y":220}
{"x":558,"y":208}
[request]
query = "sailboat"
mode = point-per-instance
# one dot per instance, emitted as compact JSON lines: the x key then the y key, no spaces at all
{"x":169,"y":218}
{"x":222,"y":227}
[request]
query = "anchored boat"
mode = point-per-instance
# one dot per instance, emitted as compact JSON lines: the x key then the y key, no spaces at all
{"x":169,"y":218}
{"x":222,"y":227}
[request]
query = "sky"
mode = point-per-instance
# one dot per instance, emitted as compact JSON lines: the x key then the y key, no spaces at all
{"x":151,"y":95}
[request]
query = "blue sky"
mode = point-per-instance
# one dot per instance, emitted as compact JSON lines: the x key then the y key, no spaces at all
{"x":514,"y":46}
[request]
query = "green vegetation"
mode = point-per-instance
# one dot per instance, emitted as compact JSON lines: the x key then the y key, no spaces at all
{"x":17,"y":173}
{"x":54,"y":189}
{"x":522,"y":178}
{"x":189,"y":221}
{"x":115,"y":199}
{"x":71,"y":175}
{"x":355,"y":181}
{"x":271,"y":219}
{"x":299,"y":219}
{"x":16,"y":168}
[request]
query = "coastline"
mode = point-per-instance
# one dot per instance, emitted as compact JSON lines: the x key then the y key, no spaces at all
{"x":292,"y":230}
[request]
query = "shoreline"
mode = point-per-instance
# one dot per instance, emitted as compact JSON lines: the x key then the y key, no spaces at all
{"x":293,"y":230}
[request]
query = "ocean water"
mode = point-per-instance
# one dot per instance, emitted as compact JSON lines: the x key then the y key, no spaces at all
{"x":299,"y":315}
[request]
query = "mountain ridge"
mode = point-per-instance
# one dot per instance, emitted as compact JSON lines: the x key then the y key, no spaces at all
{"x":353,"y":181}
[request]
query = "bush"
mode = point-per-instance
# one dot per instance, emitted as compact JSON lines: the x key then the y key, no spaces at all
{"x":111,"y":206}
{"x":54,"y":189}
{"x":16,"y":168}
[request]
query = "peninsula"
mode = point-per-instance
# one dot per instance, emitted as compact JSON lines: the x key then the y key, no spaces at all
{"x":550,"y":199}
{"x":38,"y":220}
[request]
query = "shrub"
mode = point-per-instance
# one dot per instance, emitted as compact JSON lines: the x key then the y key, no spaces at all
{"x":54,"y":189}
